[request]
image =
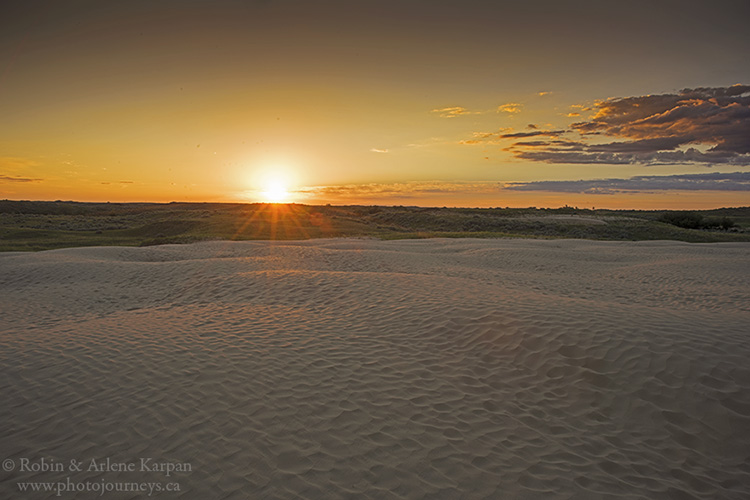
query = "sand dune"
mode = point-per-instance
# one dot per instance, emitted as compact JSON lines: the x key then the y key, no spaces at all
{"x":368,"y":369}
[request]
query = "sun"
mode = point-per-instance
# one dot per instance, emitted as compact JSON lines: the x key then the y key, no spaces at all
{"x":273,"y":182}
{"x":275,"y":190}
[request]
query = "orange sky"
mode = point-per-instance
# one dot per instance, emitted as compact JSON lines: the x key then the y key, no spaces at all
{"x":471,"y":103}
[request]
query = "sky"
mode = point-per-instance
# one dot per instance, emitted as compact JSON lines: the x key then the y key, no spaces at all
{"x":639,"y":104}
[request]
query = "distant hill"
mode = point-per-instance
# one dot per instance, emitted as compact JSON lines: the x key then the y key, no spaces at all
{"x":42,"y":225}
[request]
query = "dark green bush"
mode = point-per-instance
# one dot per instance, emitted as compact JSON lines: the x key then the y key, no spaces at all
{"x":688,"y":220}
{"x":718,"y":223}
{"x":692,"y":220}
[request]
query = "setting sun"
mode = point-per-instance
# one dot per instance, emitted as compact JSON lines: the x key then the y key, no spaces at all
{"x":273,"y":182}
{"x":275,"y":191}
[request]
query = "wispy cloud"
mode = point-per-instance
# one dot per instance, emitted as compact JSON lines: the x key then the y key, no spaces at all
{"x":507,"y":133}
{"x":15,"y":164}
{"x":511,"y":108}
{"x":486,"y":137}
{"x":121,"y":183}
{"x":376,"y":150}
{"x":437,"y":190}
{"x":737,"y":181}
{"x":401,"y":190}
{"x":8,"y":178}
{"x":535,"y":133}
{"x":454,"y":111}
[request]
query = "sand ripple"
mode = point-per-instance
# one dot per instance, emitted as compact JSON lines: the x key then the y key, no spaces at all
{"x":365,"y":369}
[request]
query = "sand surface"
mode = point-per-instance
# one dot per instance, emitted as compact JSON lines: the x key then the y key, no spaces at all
{"x":365,"y":369}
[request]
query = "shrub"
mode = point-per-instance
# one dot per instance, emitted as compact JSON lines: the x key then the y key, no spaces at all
{"x":692,"y":220}
{"x":718,"y":223}
{"x":688,"y":220}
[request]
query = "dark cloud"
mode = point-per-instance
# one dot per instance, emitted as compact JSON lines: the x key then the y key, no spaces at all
{"x":495,"y":137}
{"x":584,"y":156}
{"x":737,"y":181}
{"x":6,"y":178}
{"x":560,"y":144}
{"x":702,"y":125}
{"x":535,"y":133}
{"x":639,"y":146}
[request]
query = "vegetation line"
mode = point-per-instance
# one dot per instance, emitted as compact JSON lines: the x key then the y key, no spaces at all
{"x":33,"y":225}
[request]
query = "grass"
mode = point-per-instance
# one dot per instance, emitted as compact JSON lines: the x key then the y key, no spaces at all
{"x":33,"y":226}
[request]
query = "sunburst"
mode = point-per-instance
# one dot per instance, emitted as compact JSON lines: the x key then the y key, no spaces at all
{"x":275,"y":191}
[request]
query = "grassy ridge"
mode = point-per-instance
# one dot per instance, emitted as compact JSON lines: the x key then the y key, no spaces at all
{"x":30,"y":226}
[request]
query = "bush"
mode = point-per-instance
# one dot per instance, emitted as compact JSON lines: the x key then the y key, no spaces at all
{"x":718,"y":223}
{"x":688,"y":220}
{"x":691,"y":220}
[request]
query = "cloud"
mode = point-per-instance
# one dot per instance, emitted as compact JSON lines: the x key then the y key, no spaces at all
{"x":737,"y":181}
{"x":486,"y":137}
{"x":702,"y":125}
{"x":709,"y":126}
{"x":15,"y":169}
{"x":15,"y":164}
{"x":7,"y":178}
{"x":551,"y":133}
{"x":545,"y":143}
{"x":121,"y":183}
{"x":454,"y":111}
{"x":506,"y":133}
{"x":510,"y":108}
{"x":437,"y":190}
{"x":376,"y":150}
{"x":401,"y":190}
{"x":628,"y":154}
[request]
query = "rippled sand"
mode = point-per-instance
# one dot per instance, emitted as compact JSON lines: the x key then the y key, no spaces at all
{"x":367,"y":369}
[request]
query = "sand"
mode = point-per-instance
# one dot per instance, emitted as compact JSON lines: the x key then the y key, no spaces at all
{"x":368,"y":369}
